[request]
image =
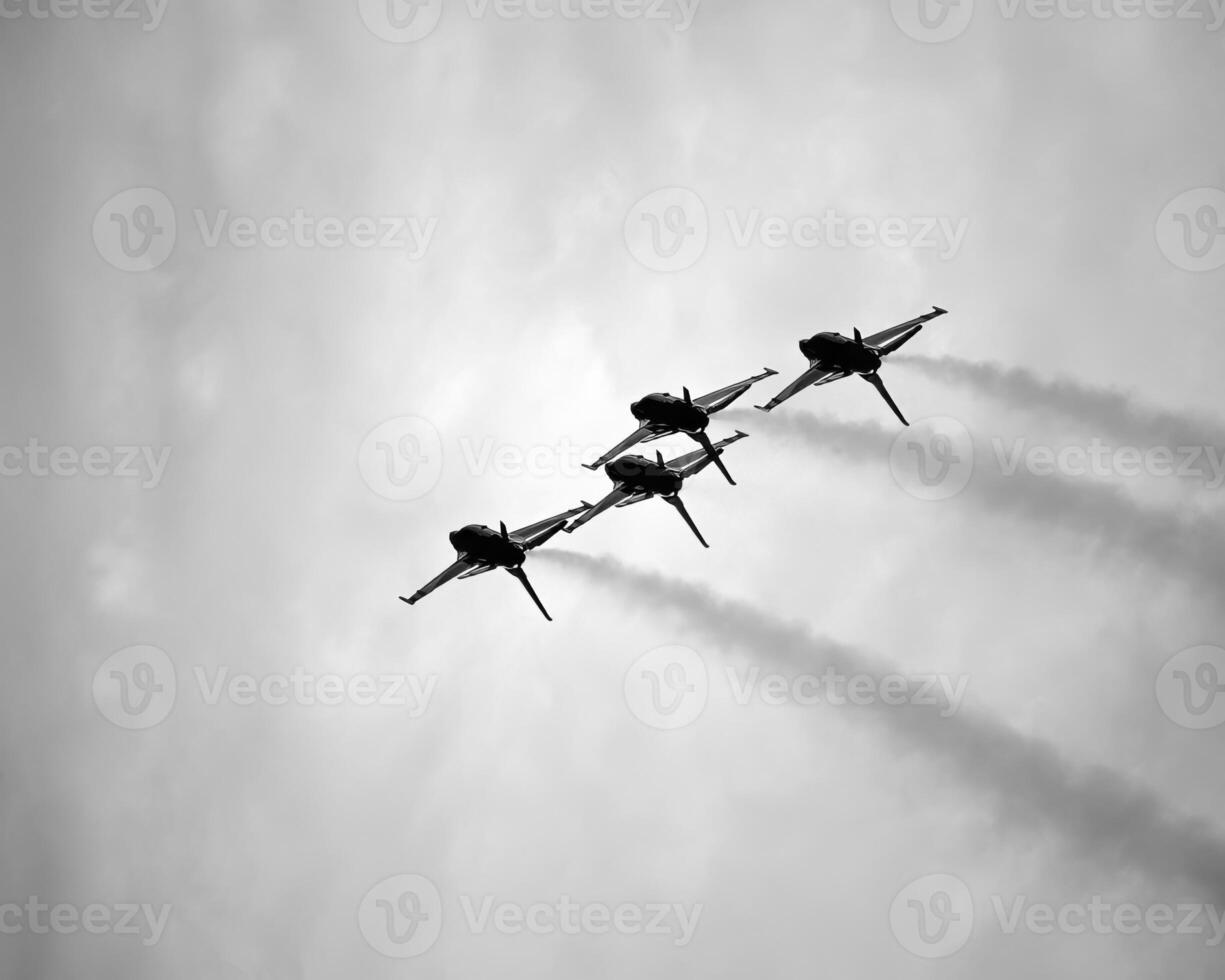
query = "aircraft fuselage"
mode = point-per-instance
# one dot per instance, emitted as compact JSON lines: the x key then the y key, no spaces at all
{"x":670,"y":411}
{"x":484,"y":544}
{"x":641,"y":474}
{"x":841,"y":353}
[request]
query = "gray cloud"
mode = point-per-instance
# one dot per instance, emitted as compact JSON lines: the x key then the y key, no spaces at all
{"x":1184,"y":544}
{"x":1095,"y":810}
{"x":1105,"y":410}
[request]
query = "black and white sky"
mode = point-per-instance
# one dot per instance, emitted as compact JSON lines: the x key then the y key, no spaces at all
{"x":292,"y":290}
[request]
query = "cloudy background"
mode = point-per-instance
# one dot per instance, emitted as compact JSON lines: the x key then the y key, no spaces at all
{"x":301,"y":389}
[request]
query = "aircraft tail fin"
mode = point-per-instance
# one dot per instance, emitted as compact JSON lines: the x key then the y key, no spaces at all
{"x":875,"y":381}
{"x":679,"y":506}
{"x":521,"y":575}
{"x":715,"y":455}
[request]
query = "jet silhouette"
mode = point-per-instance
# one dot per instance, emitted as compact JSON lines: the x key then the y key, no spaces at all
{"x":832,"y":357}
{"x":480,"y":549}
{"x":664,"y":415}
{"x":636,"y":479}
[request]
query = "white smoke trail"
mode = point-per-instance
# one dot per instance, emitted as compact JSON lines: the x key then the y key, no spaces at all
{"x":1189,"y":545}
{"x":1097,"y":811}
{"x":1104,"y":410}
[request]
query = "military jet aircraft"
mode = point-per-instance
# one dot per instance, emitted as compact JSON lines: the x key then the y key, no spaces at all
{"x":832,"y":357}
{"x":480,"y":549}
{"x":636,"y":479}
{"x":666,"y":415}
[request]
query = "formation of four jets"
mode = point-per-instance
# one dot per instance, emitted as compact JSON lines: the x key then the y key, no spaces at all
{"x":831,"y":357}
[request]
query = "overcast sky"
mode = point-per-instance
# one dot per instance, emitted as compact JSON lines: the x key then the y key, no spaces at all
{"x":296,"y":290}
